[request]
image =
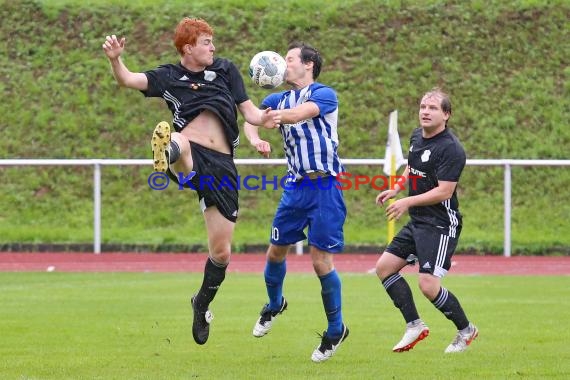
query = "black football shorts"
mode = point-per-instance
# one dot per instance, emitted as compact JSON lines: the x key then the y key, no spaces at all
{"x":215,"y":181}
{"x":433,"y":248}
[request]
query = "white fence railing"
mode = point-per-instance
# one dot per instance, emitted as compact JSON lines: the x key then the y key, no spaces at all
{"x":507,"y":164}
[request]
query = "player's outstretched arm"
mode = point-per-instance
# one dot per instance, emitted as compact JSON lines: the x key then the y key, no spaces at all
{"x":302,"y":112}
{"x":113,"y":48}
{"x":253,"y":115}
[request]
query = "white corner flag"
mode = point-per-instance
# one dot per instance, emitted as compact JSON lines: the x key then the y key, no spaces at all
{"x":393,"y":159}
{"x":394,"y":155}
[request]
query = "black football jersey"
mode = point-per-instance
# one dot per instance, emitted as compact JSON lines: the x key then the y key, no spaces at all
{"x":439,"y":158}
{"x":219,"y":88}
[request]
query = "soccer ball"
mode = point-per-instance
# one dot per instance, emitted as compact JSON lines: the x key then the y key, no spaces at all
{"x":267,"y":69}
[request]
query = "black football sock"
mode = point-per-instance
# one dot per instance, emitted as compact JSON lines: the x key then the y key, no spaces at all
{"x":173,"y":152}
{"x":449,"y":305}
{"x":401,"y":294}
{"x":214,"y":274}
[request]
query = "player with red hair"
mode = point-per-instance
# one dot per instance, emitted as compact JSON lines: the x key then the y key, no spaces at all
{"x":204,"y":94}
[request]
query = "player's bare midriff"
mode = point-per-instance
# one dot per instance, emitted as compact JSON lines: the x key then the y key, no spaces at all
{"x":207,"y":130}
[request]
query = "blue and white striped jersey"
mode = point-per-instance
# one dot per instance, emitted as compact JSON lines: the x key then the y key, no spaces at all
{"x":310,"y":145}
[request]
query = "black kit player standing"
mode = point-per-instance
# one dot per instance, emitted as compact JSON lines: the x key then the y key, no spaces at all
{"x":435,"y":162}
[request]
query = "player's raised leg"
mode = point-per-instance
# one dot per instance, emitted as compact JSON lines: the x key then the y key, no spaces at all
{"x":170,"y":148}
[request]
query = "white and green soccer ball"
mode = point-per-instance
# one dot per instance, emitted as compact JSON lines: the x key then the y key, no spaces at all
{"x":267,"y":69}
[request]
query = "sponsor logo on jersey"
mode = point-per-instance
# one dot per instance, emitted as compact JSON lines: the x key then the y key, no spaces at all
{"x":417,"y":172}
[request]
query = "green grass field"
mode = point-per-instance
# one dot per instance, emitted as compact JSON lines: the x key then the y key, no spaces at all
{"x":138,"y":326}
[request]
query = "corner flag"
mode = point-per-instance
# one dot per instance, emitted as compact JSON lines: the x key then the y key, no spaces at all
{"x":393,"y":159}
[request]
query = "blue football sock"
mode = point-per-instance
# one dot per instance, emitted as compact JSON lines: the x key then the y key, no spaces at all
{"x":331,"y":294}
{"x":274,"y":276}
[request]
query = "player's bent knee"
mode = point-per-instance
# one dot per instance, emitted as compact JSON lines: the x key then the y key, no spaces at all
{"x":384,"y":271}
{"x":429,"y":286}
{"x":221,"y":257}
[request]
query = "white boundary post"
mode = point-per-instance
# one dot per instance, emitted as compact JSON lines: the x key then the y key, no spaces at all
{"x":507,"y":208}
{"x":97,"y":208}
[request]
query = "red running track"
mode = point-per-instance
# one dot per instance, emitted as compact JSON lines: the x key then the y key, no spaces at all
{"x":254,"y":263}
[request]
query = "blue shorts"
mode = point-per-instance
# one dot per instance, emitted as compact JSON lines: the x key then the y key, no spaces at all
{"x":314,"y":203}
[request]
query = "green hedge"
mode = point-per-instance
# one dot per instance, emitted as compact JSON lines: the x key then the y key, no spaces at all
{"x":505,"y":65}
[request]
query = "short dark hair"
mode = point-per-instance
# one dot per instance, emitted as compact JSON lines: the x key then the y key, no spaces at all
{"x":309,"y":54}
